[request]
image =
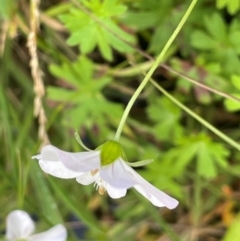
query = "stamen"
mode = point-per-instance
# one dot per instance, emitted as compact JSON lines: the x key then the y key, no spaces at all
{"x":93,"y":172}
{"x":101,"y":190}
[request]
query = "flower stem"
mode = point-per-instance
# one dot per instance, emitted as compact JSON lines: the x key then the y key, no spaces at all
{"x":152,"y":69}
{"x":197,"y":117}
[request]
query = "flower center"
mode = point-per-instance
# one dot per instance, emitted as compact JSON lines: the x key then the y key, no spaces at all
{"x":99,"y":183}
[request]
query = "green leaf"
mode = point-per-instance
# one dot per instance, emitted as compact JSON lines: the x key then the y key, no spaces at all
{"x":234,"y":37}
{"x":86,"y":38}
{"x":88,"y":31}
{"x":166,"y":115}
{"x":221,"y":3}
{"x":205,"y":165}
{"x":141,"y":20}
{"x":83,"y":97}
{"x":216,"y":26}
{"x":231,"y":5}
{"x":206,"y":152}
{"x":113,"y":7}
{"x":232,"y":105}
{"x":201,"y":40}
{"x":103,"y":44}
{"x":236,"y":81}
{"x":60,"y":94}
{"x":75,"y":73}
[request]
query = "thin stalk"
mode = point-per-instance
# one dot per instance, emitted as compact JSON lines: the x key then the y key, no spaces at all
{"x":153,"y":68}
{"x":197,"y":117}
{"x":20,"y":180}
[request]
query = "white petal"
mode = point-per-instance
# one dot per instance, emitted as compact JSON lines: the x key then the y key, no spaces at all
{"x":114,"y":192}
{"x":117,"y":175}
{"x":86,"y":178}
{"x":122,"y":176}
{"x":154,"y":195}
{"x":19,"y":225}
{"x":57,"y":169}
{"x":78,"y":162}
{"x":57,"y":233}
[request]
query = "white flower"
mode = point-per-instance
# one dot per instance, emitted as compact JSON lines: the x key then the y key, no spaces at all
{"x":20,"y":227}
{"x":105,"y":167}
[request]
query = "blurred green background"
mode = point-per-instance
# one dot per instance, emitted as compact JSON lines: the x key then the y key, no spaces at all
{"x":89,"y":61}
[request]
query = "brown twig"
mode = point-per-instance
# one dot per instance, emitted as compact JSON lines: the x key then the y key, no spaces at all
{"x":37,"y":74}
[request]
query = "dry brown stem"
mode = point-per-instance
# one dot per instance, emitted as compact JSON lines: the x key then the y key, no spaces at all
{"x":36,"y":72}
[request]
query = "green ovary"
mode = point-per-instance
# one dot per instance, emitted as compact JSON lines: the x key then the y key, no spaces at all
{"x":110,"y":152}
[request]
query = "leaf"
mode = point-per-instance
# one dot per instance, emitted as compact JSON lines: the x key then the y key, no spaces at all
{"x":201,"y":40}
{"x":166,"y":116}
{"x":221,"y":3}
{"x":140,"y":20}
{"x":205,"y":165}
{"x":113,"y":8}
{"x":236,"y":81}
{"x":232,"y":105}
{"x":234,"y":37}
{"x":86,"y":38}
{"x":88,"y":31}
{"x":216,"y":26}
{"x":84,"y":98}
{"x":104,"y":45}
{"x":231,"y":5}
{"x":206,"y":152}
{"x":60,"y":94}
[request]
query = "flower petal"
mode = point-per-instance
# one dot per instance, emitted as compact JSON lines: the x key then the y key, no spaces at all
{"x":19,"y":225}
{"x":57,"y":169}
{"x":154,"y":195}
{"x":121,"y":176}
{"x":114,"y":192}
{"x":86,"y":178}
{"x":117,"y":175}
{"x":57,"y":233}
{"x":77,"y":162}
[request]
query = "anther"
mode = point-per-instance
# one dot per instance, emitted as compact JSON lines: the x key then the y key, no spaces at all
{"x":94,"y":172}
{"x":101,"y":190}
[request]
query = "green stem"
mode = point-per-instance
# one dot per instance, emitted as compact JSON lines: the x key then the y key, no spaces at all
{"x":20,"y":181}
{"x":153,"y":68}
{"x":197,"y":117}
